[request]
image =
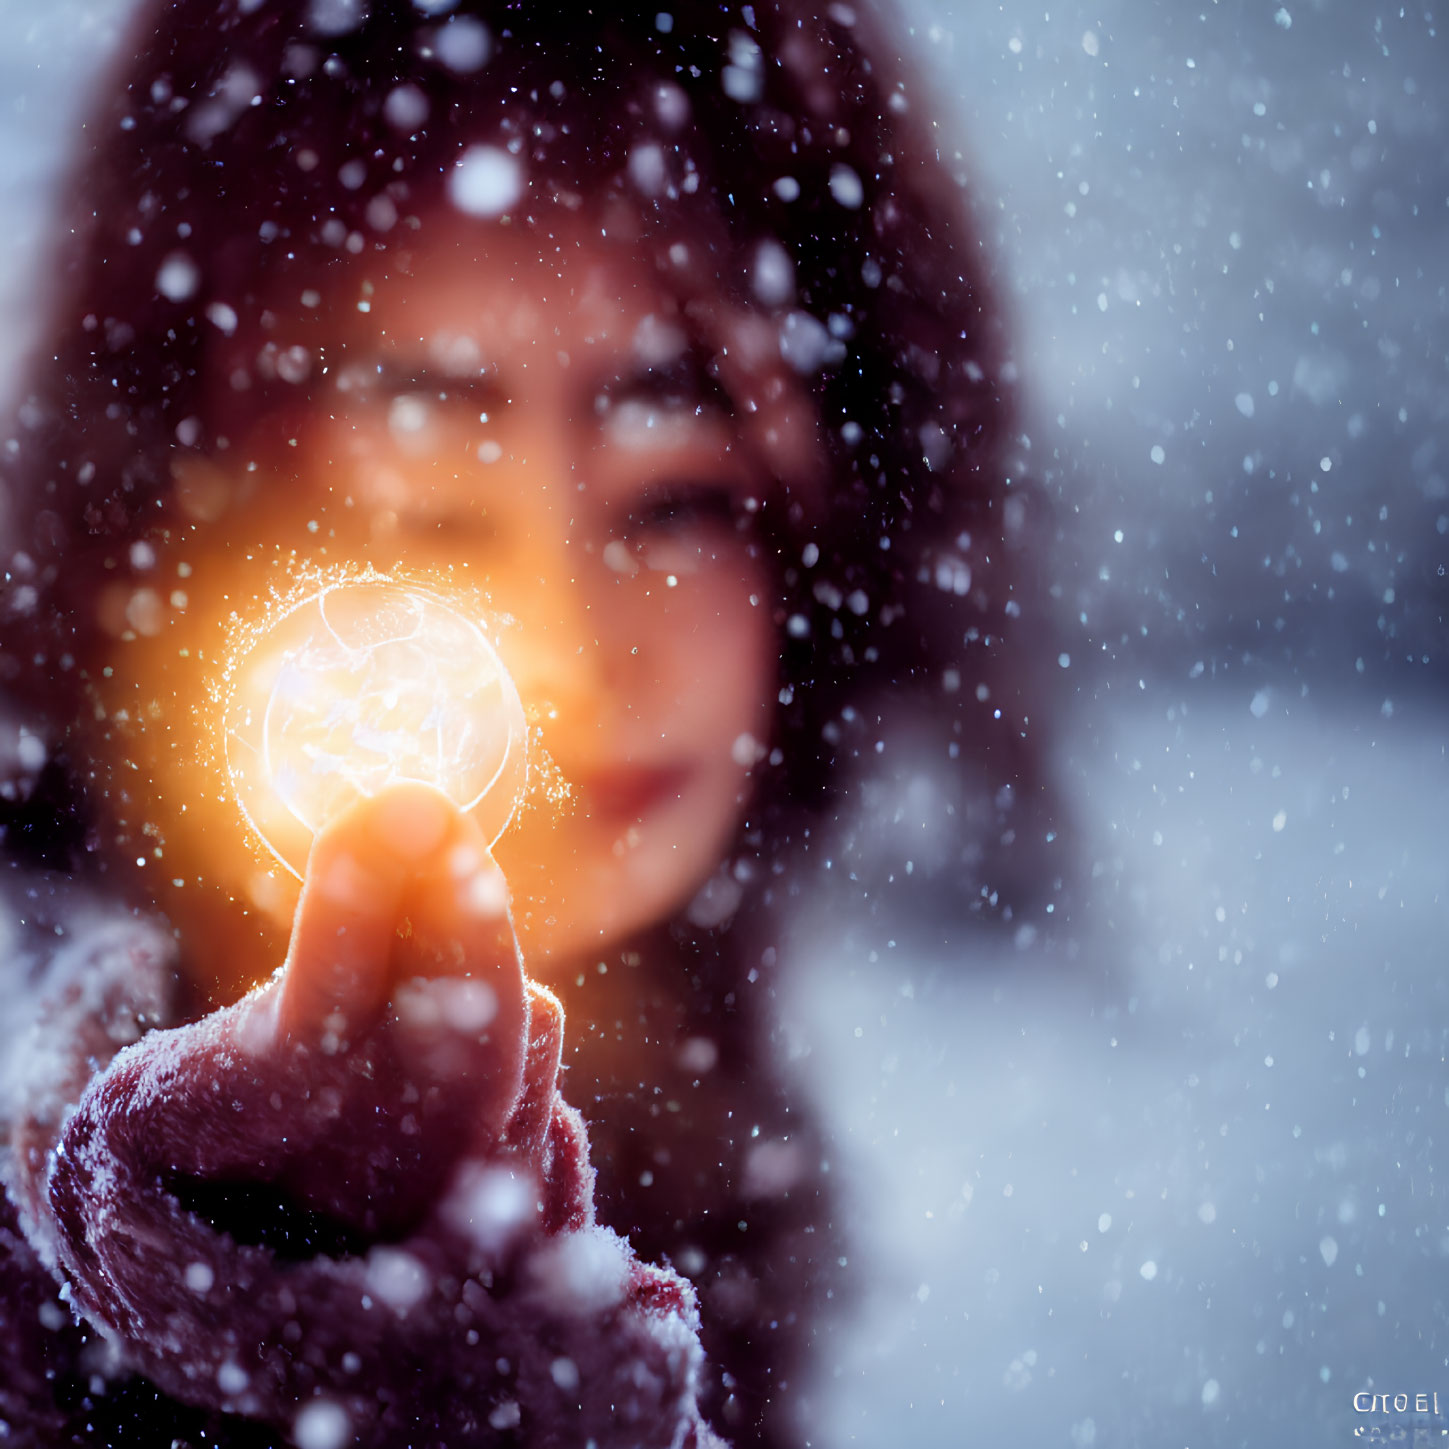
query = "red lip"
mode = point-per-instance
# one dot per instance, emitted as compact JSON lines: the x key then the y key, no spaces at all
{"x":631,"y":791}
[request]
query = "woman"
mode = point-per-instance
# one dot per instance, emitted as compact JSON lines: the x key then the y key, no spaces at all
{"x":665,"y":338}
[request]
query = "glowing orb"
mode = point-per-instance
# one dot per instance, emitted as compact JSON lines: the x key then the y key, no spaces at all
{"x":360,"y":685}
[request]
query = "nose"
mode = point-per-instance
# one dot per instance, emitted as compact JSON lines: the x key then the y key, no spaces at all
{"x":539,"y":574}
{"x":553,"y":654}
{"x":520,"y":527}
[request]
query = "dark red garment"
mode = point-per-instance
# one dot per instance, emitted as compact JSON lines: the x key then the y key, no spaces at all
{"x":262,"y":1251}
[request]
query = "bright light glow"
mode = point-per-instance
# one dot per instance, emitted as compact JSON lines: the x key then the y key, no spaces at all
{"x":362,"y":684}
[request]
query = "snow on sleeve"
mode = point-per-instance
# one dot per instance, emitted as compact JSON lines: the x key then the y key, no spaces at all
{"x":502,"y":1302}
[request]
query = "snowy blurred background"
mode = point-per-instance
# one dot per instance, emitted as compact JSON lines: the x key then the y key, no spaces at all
{"x":1173,"y":1178}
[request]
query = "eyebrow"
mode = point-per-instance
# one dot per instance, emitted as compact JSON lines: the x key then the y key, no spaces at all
{"x":688,"y":378}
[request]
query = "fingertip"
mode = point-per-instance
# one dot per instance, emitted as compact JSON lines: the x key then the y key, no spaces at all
{"x":413,"y":819}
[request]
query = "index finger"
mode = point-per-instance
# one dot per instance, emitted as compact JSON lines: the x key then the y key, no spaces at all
{"x":337,"y":973}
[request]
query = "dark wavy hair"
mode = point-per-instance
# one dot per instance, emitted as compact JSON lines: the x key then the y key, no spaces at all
{"x":250,"y":143}
{"x":259,"y":142}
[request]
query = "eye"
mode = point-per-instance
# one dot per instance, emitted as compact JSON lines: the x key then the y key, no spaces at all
{"x":676,"y":528}
{"x":676,"y":508}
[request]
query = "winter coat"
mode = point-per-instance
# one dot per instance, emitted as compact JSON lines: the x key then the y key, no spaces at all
{"x":161,"y":1284}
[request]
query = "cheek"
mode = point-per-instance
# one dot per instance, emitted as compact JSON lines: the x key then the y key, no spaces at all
{"x":713,"y":654}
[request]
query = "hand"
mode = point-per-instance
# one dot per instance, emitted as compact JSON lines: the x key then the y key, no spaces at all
{"x":398,"y":1076}
{"x":390,"y":1047}
{"x":396,"y":1033}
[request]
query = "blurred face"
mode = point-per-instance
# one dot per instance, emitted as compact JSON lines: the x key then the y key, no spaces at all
{"x":544,"y":424}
